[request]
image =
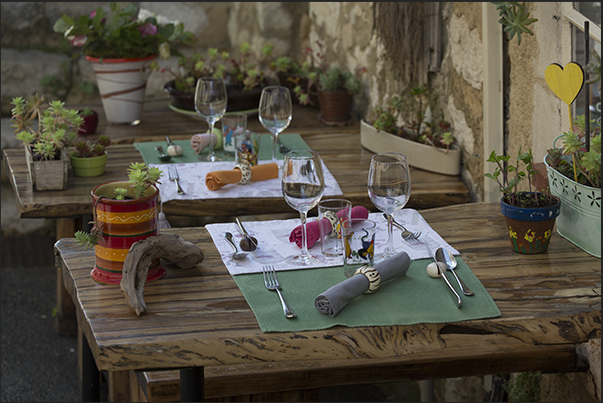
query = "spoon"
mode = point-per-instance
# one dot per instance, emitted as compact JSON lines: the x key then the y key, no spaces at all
{"x":444,"y":256}
{"x":283,"y":149}
{"x":455,"y":296}
{"x":236,"y":255}
{"x":162,"y":155}
{"x":248,"y":243}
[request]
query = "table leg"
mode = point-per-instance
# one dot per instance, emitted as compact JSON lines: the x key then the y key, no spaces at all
{"x":65,"y":324}
{"x":192,"y":384}
{"x":90,"y":382}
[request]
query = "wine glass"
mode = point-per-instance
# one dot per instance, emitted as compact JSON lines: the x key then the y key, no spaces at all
{"x":303,"y":185}
{"x":389,"y":190}
{"x":275,"y":113}
{"x":210,"y":103}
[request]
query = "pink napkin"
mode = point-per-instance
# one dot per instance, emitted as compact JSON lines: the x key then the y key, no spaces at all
{"x":313,"y":229}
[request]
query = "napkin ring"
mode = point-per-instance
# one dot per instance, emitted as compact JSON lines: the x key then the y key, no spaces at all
{"x":334,"y":220}
{"x":245,"y":173}
{"x":372,"y":276}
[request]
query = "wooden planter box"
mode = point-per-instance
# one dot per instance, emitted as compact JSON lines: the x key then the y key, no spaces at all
{"x":48,"y":175}
{"x":419,"y":155}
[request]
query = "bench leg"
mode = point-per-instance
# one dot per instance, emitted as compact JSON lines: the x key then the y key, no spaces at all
{"x":66,"y":322}
{"x":90,"y":375}
{"x":192,"y":384}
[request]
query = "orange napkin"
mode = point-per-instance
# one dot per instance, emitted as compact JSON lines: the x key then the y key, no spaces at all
{"x":215,"y":180}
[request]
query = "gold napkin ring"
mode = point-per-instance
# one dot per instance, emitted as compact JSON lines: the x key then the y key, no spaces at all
{"x":372,"y":276}
{"x":332,"y":217}
{"x":245,"y":173}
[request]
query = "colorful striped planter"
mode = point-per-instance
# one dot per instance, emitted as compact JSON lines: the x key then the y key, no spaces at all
{"x":122,"y":223}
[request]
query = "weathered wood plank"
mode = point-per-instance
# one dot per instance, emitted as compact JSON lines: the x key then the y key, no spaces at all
{"x":200,"y":316}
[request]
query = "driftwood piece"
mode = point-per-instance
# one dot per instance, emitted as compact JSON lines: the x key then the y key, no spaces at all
{"x":170,"y":247}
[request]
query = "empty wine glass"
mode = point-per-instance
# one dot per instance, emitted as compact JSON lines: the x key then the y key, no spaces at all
{"x":389,"y":190}
{"x":303,"y":185}
{"x":275,"y":113}
{"x":210,"y":104}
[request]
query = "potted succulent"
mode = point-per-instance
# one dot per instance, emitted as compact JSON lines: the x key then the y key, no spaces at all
{"x":574,"y":176}
{"x":45,"y":130}
{"x":124,"y":212}
{"x":335,"y":88}
{"x":243,"y":77}
{"x":295,"y":77}
{"x":120,"y":45}
{"x":427,"y":145}
{"x":90,"y":124}
{"x":89,"y":158}
{"x":530,"y":215}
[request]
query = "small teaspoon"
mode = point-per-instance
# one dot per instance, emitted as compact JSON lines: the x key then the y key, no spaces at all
{"x":236,"y":255}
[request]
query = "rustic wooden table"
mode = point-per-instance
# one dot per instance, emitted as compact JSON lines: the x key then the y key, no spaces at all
{"x":550,"y":303}
{"x":339,"y":148}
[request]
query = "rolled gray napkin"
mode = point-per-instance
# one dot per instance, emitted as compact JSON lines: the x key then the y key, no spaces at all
{"x":337,"y":297}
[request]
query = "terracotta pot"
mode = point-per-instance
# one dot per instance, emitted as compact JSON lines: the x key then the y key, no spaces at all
{"x":122,"y":223}
{"x":530,"y":229}
{"x":122,"y":84}
{"x":335,"y":107}
{"x":238,"y":101}
{"x":90,"y":123}
{"x":86,"y":167}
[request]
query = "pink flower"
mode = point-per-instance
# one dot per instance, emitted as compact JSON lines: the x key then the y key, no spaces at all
{"x":79,"y":40}
{"x":147,"y":29}
{"x":93,"y":13}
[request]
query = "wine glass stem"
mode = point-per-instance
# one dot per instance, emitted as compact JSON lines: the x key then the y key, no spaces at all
{"x":390,"y":235}
{"x":211,"y":140}
{"x":274,"y":146}
{"x":304,"y":252}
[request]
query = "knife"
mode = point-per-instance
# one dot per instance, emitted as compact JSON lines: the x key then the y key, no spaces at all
{"x":251,"y":243}
{"x":458,"y":301}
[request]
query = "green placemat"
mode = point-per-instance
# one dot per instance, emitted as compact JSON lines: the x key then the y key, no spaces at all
{"x":414,"y":298}
{"x":151,"y":156}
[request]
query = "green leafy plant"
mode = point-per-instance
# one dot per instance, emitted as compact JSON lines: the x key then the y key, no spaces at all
{"x":44,"y":128}
{"x":417,"y":126}
{"x":140,"y":177}
{"x":125,"y":32}
{"x":509,"y":176}
{"x":573,"y":160}
{"x":525,"y":387}
{"x":89,"y":149}
{"x":241,"y":72}
{"x":515,"y":18}
{"x":325,"y":77}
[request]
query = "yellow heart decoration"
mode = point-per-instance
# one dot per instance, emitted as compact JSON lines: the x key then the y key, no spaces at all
{"x":566,"y":82}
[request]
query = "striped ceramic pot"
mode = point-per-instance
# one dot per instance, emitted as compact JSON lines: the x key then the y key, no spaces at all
{"x":122,"y":223}
{"x":122,"y":84}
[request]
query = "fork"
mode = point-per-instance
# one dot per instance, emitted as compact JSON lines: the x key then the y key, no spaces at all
{"x":273,"y":285}
{"x":173,"y":175}
{"x":406,"y":234}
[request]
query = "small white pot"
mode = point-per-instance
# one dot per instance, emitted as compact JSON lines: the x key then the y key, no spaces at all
{"x":419,"y":155}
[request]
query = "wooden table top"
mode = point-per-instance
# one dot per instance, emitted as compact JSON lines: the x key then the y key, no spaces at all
{"x":339,"y":148}
{"x":549,"y":303}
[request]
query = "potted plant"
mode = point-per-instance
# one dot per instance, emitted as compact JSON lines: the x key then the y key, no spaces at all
{"x":120,"y":45}
{"x":125,"y":212}
{"x":45,"y":142}
{"x":242,"y":75}
{"x":90,"y":124}
{"x":335,"y":88}
{"x":427,"y":145}
{"x":574,"y":176}
{"x":90,"y":158}
{"x":530,"y":215}
{"x":295,"y":76}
